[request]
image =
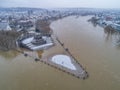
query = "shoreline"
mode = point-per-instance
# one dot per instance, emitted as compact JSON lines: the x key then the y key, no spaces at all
{"x":80,"y":72}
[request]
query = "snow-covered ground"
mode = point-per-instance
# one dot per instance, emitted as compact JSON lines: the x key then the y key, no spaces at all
{"x":64,"y":61}
{"x":28,"y":40}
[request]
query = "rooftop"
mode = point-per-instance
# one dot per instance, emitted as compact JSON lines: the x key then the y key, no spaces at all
{"x":4,"y":26}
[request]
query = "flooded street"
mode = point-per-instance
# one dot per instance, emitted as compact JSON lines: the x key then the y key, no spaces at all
{"x":92,"y":46}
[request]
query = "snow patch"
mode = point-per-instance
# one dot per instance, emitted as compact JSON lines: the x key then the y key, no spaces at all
{"x":28,"y":40}
{"x":64,"y":61}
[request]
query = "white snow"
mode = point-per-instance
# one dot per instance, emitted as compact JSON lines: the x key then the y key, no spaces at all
{"x":34,"y":47}
{"x":28,"y":43}
{"x":64,"y":61}
{"x":28,"y":40}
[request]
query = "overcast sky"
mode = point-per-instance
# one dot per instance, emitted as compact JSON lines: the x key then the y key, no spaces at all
{"x":61,"y":3}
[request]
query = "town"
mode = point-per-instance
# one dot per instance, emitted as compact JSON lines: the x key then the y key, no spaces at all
{"x":107,"y":18}
{"x":27,"y":22}
{"x":31,"y":24}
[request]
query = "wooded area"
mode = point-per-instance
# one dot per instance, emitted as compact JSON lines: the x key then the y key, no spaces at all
{"x":8,"y":40}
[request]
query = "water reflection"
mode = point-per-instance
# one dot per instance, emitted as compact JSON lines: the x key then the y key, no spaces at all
{"x":40,"y":53}
{"x":113,"y":35}
{"x":94,"y":24}
{"x":11,"y":54}
{"x":32,"y":54}
{"x":108,"y":30}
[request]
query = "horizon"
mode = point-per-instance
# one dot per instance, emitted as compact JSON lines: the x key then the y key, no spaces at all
{"x":113,"y":4}
{"x":63,"y":8}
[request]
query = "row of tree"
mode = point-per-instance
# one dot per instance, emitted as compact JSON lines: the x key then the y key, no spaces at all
{"x":8,"y":40}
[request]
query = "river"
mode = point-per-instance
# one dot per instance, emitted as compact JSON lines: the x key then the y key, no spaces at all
{"x":92,"y":46}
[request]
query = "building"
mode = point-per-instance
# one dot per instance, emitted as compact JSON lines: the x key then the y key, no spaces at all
{"x":5,"y":26}
{"x":116,"y":26}
{"x":25,"y":23}
{"x":42,"y":26}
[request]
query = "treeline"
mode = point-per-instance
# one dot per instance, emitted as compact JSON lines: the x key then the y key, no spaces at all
{"x":110,"y":30}
{"x":94,"y":21}
{"x":8,"y":40}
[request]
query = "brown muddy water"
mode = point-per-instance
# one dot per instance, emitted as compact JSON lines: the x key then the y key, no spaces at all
{"x":95,"y":49}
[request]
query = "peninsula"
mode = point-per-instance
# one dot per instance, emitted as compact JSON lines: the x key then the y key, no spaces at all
{"x":29,"y":28}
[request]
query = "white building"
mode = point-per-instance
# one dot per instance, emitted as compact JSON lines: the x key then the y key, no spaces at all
{"x":5,"y":26}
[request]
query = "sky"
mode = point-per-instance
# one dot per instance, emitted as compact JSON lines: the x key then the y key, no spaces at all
{"x":61,"y":3}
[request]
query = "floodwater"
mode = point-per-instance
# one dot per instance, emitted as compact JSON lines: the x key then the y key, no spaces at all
{"x":93,"y":47}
